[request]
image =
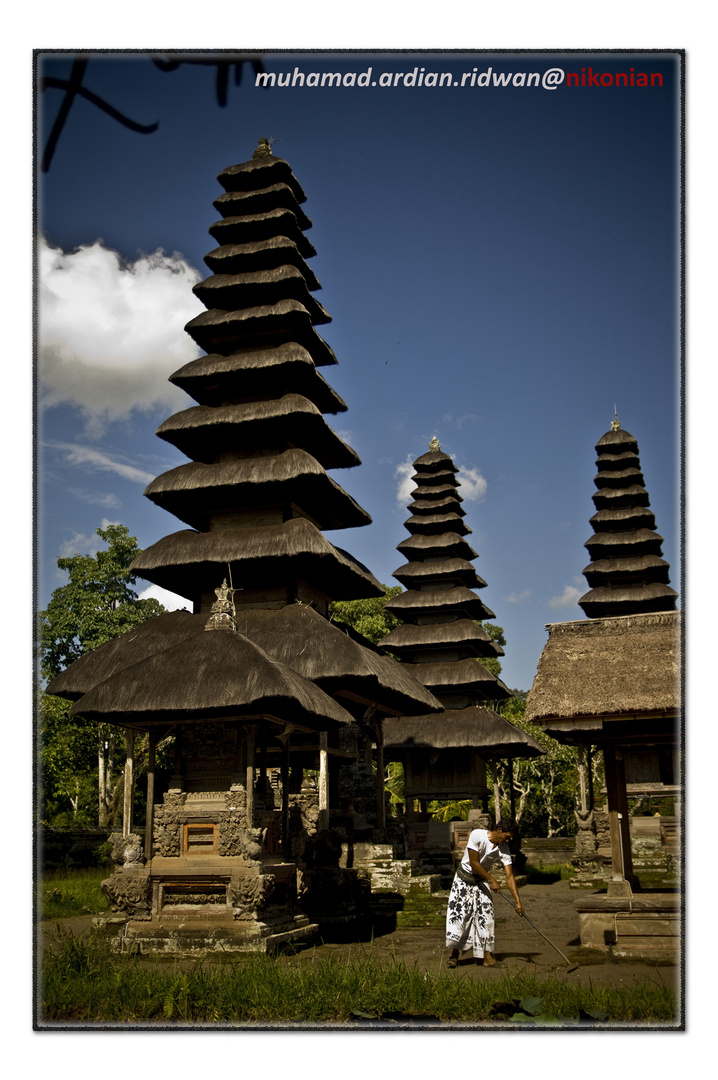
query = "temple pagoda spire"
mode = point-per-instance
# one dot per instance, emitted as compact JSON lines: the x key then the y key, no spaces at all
{"x":626,"y":575}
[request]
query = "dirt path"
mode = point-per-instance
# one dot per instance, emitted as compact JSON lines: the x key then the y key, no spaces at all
{"x":519,"y":948}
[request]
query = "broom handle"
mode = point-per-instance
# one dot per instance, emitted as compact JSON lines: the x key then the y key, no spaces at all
{"x":536,"y":928}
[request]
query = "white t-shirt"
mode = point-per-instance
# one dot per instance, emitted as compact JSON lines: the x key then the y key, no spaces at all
{"x":488,"y":853}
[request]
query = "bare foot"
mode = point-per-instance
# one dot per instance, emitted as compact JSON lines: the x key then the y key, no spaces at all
{"x":488,"y":960}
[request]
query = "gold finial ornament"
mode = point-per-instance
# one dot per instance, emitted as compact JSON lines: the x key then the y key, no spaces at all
{"x":434,"y":447}
{"x":615,"y":423}
{"x":264,"y":149}
{"x":223,"y":613}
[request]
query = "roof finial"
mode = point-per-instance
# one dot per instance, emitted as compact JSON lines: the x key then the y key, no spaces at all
{"x":434,"y":447}
{"x":223,"y":612}
{"x":615,"y":423}
{"x":264,"y":149}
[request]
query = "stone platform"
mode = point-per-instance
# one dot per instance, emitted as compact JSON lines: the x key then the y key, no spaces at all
{"x":644,"y":926}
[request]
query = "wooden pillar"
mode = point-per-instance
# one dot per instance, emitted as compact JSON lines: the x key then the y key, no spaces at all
{"x":150,"y":810}
{"x":323,"y":822}
{"x":497,"y":796}
{"x":250,"y":743}
{"x":582,"y":778}
{"x":622,"y":876}
{"x":129,"y":792}
{"x":589,"y":765}
{"x":380,"y":800}
{"x":512,"y":796}
{"x":286,"y":846}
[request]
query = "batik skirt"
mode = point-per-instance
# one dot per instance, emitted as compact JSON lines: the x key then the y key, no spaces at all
{"x":470,"y":918}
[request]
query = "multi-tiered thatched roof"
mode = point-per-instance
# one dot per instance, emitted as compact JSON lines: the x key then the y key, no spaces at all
{"x":626,"y":573}
{"x":441,"y":639}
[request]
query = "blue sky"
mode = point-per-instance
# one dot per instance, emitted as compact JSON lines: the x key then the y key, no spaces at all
{"x":501,"y":265}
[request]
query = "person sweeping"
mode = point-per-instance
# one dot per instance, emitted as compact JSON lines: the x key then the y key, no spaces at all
{"x":470,"y":914}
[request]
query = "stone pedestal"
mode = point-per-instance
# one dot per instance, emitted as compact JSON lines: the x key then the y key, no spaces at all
{"x":639,"y":927}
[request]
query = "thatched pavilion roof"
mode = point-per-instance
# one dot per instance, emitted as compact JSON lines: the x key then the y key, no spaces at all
{"x":445,"y":545}
{"x":431,"y":524}
{"x":242,"y":203}
{"x":256,"y":373}
{"x":295,"y":636}
{"x":291,"y":420}
{"x":412,"y":574}
{"x":473,"y":728}
{"x":624,"y":666}
{"x":464,"y":635}
{"x":259,"y":173}
{"x":217,"y":674}
{"x":451,"y":602}
{"x":461,"y":675}
{"x":254,"y":227}
{"x":268,"y":324}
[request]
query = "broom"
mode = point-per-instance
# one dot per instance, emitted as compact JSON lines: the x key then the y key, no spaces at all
{"x":571,"y":967}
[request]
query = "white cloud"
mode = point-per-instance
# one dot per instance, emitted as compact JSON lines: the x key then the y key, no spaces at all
{"x":405,"y":485}
{"x":111,"y":332}
{"x":81,"y":544}
{"x":170,"y":600}
{"x":516,"y":598}
{"x":568,"y":598}
{"x":90,"y":457}
{"x":472,"y":484}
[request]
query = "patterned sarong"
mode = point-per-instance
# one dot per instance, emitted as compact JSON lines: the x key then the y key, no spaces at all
{"x":470,"y":918}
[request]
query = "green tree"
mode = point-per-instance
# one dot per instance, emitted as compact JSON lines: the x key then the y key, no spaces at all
{"x":496,"y":633}
{"x":368,"y":617}
{"x":96,"y":604}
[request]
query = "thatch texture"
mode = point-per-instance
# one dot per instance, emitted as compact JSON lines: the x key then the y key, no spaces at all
{"x":266,"y":325}
{"x":257,"y":373}
{"x":437,"y":506}
{"x":253,"y":227}
{"x":190,"y":562}
{"x":323,"y":652}
{"x":261,"y":173}
{"x":625,"y":665}
{"x":274,"y":197}
{"x":434,"y":461}
{"x":636,"y":540}
{"x":652,"y":597}
{"x":263,"y":287}
{"x":474,"y":728}
{"x":436,"y":523}
{"x":260,"y":255}
{"x":412,"y":574}
{"x":636,"y":516}
{"x":195,"y":491}
{"x":211,"y":675}
{"x":461,"y":675}
{"x":633,"y":495}
{"x":463,"y":634}
{"x":449,"y":545}
{"x":409,"y":605}
{"x":291,"y":420}
{"x":644,"y":567}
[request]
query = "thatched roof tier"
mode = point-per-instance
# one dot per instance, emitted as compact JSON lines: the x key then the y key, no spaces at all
{"x":618,"y":478}
{"x":217,"y":674}
{"x":424,"y":493}
{"x":627,"y":460}
{"x":189,"y":563}
{"x":464,"y":635}
{"x":195,"y":491}
{"x":438,"y":506}
{"x":253,"y":227}
{"x":274,"y":197}
{"x":614,"y":600}
{"x":414,"y":574}
{"x":230,"y":292}
{"x":271,"y":324}
{"x":448,"y":544}
{"x":261,"y":172}
{"x":638,"y":541}
{"x":474,"y":728}
{"x":616,"y":441}
{"x":430,"y":524}
{"x":412,"y":604}
{"x":434,"y":461}
{"x":432,"y":480}
{"x":606,"y":669}
{"x":643,"y":568}
{"x":255,"y":374}
{"x":633,"y":495}
{"x":204,"y":432}
{"x":323,"y":652}
{"x":260,"y":255}
{"x":461,"y":675}
{"x":627,"y":517}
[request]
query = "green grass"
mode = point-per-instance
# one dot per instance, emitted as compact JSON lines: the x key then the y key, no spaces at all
{"x":62,"y":894}
{"x":549,"y":872}
{"x":82,"y":981}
